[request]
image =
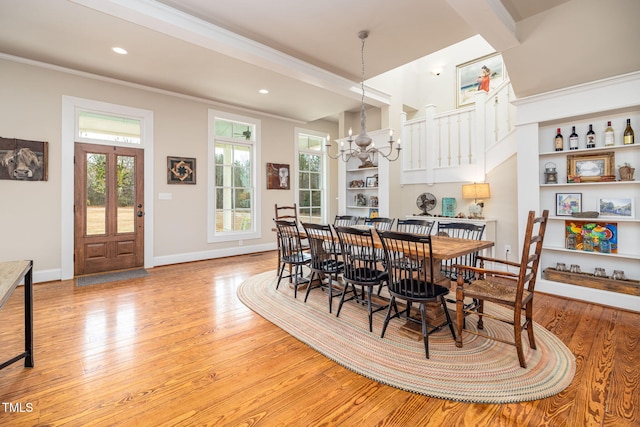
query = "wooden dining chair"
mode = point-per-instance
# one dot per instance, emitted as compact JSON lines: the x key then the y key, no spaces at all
{"x":325,"y":263}
{"x":415,"y":226}
{"x":293,"y":254}
{"x":511,"y":289}
{"x":361,"y":269}
{"x":288,"y":213}
{"x":410,"y":269}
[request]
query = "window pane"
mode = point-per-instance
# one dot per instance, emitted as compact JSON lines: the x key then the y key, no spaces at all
{"x":305,"y":212}
{"x":242,"y":199}
{"x":316,"y":198}
{"x":109,"y":128}
{"x":96,"y":216}
{"x":304,"y":180}
{"x":316,"y":144}
{"x":242,"y":177}
{"x":315,"y":163}
{"x":223,"y":128}
{"x":126,"y":194}
{"x":303,"y":162}
{"x":314,"y":181}
{"x":305,"y":198}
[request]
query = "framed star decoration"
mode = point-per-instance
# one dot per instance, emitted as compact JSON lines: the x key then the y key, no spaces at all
{"x":181,"y":170}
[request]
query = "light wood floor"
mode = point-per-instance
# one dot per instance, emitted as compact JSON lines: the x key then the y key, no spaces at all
{"x":178,"y":348}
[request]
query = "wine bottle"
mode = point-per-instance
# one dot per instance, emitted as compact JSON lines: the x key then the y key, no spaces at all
{"x":591,"y":138}
{"x":573,"y":139}
{"x":609,"y":136}
{"x":559,"y":141}
{"x":628,"y":133}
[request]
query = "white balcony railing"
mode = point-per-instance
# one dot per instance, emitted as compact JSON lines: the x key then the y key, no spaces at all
{"x":452,"y":146}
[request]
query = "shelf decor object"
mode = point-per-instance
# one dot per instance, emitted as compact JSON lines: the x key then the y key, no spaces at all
{"x":568,"y":203}
{"x":589,"y":234}
{"x":594,"y":167}
{"x":449,"y":206}
{"x":477,"y":192}
{"x":621,"y":207}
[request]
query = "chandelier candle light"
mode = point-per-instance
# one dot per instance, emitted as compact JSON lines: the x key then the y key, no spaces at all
{"x":365,"y":150}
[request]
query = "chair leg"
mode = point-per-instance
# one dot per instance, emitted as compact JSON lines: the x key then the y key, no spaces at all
{"x":330,"y":292}
{"x":369,"y":290}
{"x":529,"y":324}
{"x":446,"y":313}
{"x":480,"y":312}
{"x":517,"y":333}
{"x":344,"y":292}
{"x":459,"y":314}
{"x":281,"y":270}
{"x":425,"y":334}
{"x":313,"y":273}
{"x":388,"y":316}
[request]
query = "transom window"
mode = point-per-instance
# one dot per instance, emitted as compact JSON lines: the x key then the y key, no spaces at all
{"x":104,"y":127}
{"x":311,"y":177}
{"x":233,"y":202}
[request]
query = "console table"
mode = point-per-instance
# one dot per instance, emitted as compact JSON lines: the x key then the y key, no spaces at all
{"x":11,"y":274}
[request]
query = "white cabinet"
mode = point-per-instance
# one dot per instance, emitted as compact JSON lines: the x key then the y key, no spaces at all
{"x":373,"y":195}
{"x":539,"y":117}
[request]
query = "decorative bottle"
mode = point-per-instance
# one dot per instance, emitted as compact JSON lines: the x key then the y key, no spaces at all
{"x":573,"y":139}
{"x":628,"y":133}
{"x":559,"y":141}
{"x":591,"y":138}
{"x":604,"y":246}
{"x":609,"y":136}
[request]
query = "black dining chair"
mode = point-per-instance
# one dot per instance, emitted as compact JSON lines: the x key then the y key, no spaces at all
{"x":361,"y":269}
{"x":460,"y":230}
{"x":410,"y":270}
{"x":380,"y":223}
{"x":324,"y":260}
{"x":292,"y":254}
{"x":415,"y":226}
{"x":345,"y":220}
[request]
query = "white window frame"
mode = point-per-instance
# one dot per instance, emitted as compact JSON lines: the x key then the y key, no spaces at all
{"x":324,"y":169}
{"x":254,"y":143}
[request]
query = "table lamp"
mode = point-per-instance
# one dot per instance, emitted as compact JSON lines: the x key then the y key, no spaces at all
{"x":477,"y":192}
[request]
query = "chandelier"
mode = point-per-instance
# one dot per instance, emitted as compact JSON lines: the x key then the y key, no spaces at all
{"x":364,"y":148}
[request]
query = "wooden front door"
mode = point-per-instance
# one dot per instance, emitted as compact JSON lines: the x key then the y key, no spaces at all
{"x":109,"y":214}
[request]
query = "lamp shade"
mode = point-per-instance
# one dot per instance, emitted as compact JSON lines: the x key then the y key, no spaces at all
{"x":476,"y":191}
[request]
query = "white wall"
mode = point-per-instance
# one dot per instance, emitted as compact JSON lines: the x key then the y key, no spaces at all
{"x":32,"y":109}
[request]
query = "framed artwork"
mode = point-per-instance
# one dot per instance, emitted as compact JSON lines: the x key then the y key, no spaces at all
{"x":278,"y":176}
{"x":568,"y":203}
{"x":597,"y":230}
{"x":373,"y":213}
{"x":23,"y":160}
{"x":181,"y":170}
{"x":372,"y":181}
{"x":483,"y":73}
{"x":620,"y":207}
{"x":449,"y":206}
{"x":591,"y":167}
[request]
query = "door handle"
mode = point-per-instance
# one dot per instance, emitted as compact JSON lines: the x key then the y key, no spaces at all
{"x":140,"y":213}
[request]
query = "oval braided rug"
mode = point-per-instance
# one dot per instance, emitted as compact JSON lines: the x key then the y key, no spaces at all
{"x":483,"y":371}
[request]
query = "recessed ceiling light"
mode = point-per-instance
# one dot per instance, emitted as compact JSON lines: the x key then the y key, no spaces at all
{"x":120,"y":50}
{"x":263,"y":91}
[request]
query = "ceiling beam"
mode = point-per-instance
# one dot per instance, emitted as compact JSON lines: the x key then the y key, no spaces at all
{"x":174,"y":23}
{"x":490,"y":19}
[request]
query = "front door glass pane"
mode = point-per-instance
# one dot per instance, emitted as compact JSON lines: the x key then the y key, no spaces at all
{"x":96,"y":218}
{"x":126,"y":194}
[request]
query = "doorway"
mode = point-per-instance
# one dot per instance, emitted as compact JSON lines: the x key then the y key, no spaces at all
{"x":108,"y":208}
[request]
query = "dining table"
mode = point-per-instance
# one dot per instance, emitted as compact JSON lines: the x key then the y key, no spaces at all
{"x":442,"y":248}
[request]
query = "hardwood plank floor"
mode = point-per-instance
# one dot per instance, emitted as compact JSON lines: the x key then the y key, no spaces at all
{"x":178,"y":348}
